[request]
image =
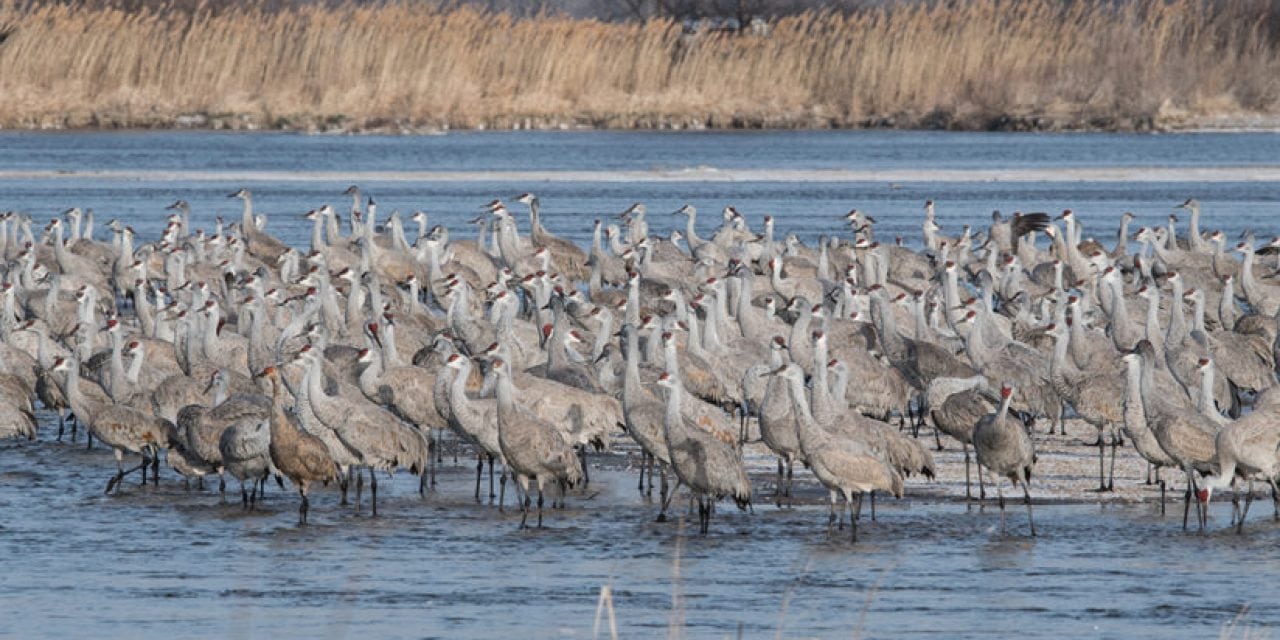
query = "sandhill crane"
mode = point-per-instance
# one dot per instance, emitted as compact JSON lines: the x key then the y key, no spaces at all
{"x":17,"y":415}
{"x":571,"y":258}
{"x":202,"y":428}
{"x":778,"y":431}
{"x":534,"y":448}
{"x":406,"y":391}
{"x":1247,"y":448}
{"x":643,"y":414}
{"x":380,"y":440}
{"x":1002,"y":445}
{"x":1097,"y":397}
{"x":1019,"y":363}
{"x":120,"y":427}
{"x":476,"y":420}
{"x":246,"y":454}
{"x":300,"y":456}
{"x":955,"y":406}
{"x":842,"y":465}
{"x":260,"y":243}
{"x":1246,"y":359}
{"x":1186,"y":436}
{"x":703,"y":458}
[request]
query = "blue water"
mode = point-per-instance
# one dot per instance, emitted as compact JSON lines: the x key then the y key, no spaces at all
{"x":283,"y":172}
{"x":169,"y":562}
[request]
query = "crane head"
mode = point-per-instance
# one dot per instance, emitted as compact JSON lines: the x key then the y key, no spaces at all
{"x":1006,"y":391}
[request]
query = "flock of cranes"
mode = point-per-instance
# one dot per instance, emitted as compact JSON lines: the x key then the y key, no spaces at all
{"x":230,"y":353}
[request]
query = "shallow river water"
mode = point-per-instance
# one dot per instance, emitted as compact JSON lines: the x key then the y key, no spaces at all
{"x":170,"y":562}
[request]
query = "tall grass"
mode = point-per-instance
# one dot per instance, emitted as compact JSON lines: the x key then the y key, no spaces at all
{"x":969,"y":64}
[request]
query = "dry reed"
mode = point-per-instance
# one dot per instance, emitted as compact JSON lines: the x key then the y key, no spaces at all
{"x":963,"y":64}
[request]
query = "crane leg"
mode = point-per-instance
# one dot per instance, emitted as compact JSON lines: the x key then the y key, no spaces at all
{"x":1275,"y":499}
{"x":479,"y":473}
{"x":1162,"y":488}
{"x":662,"y":488}
{"x":1000,"y":500}
{"x":937,"y":437}
{"x":155,"y":468}
{"x":1248,"y":502}
{"x":344,"y":483}
{"x":244,"y":496}
{"x":373,"y":490}
{"x":143,"y":467}
{"x":982,"y":485}
{"x":62,"y":422}
{"x":222,"y":487}
{"x":304,"y":507}
{"x":1149,"y":465}
{"x":968,"y":494}
{"x":492,"y":495}
{"x":438,"y":458}
{"x":872,"y":495}
{"x":586,"y":471}
{"x":539,"y":505}
{"x":790,"y":468}
{"x":644,"y":459}
{"x":704,"y":503}
{"x":502,"y":490}
{"x":848,"y":506}
{"x":653,"y":462}
{"x":777,"y":492}
{"x":1111,"y":475}
{"x":88,"y":440}
{"x":1026,"y":492}
{"x":1102,"y":463}
{"x":1186,"y":503}
{"x":831,"y":517}
{"x":855,"y":512}
{"x":1235,"y":504}
{"x":359,"y":477}
{"x":524,"y":511}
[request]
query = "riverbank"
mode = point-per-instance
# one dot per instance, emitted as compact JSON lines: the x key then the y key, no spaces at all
{"x":981,"y":65}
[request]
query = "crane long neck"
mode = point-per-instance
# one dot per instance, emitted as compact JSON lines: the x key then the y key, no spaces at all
{"x":1177,"y":331}
{"x":1122,"y":238}
{"x":674,"y":422}
{"x":505,"y":394}
{"x":458,"y":387}
{"x":72,"y":386}
{"x":1057,"y":364}
{"x":1197,"y":310}
{"x":219,"y":391}
{"x":317,"y":234}
{"x":1153,"y":317}
{"x":1205,"y":401}
{"x":390,"y":354}
{"x":246,"y":217}
{"x":603,"y":335}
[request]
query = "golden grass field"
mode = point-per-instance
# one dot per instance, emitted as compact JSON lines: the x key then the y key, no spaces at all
{"x":976,"y":64}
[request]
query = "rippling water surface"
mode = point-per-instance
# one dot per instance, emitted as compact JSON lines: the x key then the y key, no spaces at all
{"x":168,"y":562}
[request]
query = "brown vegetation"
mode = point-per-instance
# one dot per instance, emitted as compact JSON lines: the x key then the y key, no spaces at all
{"x":963,"y":64}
